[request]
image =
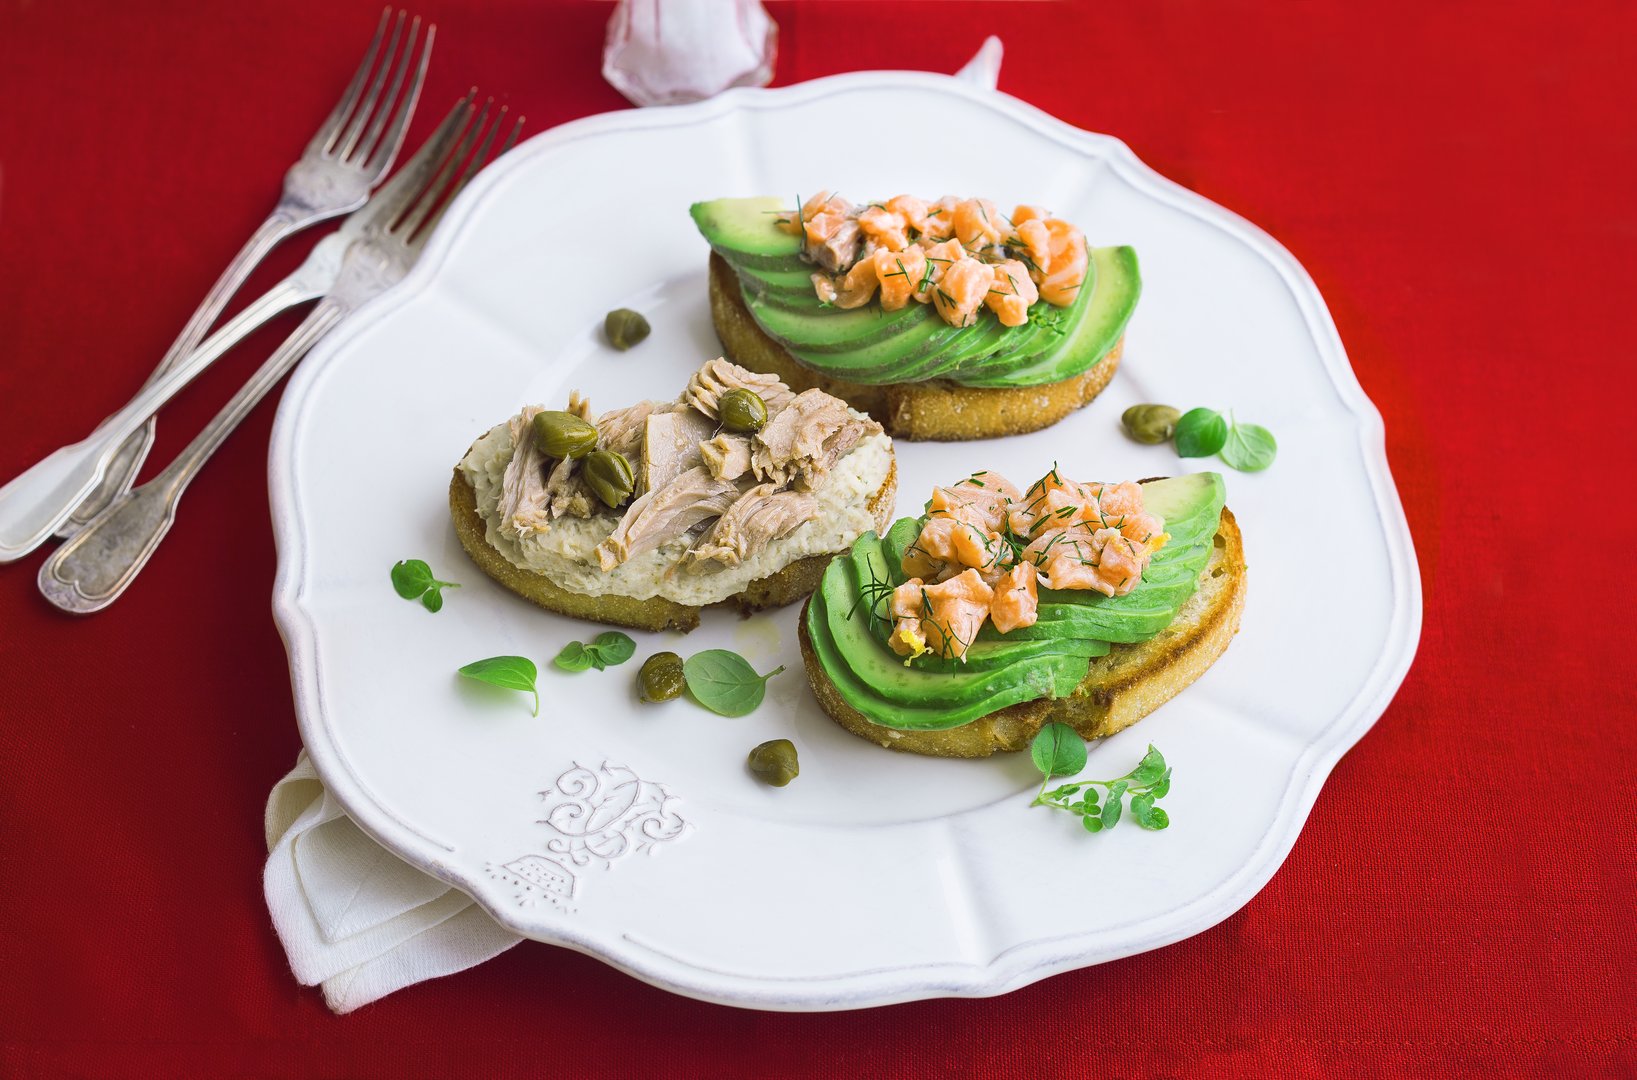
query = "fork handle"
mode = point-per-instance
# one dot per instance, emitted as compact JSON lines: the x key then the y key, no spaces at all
{"x":34,"y":504}
{"x":122,"y":470}
{"x":92,"y":569}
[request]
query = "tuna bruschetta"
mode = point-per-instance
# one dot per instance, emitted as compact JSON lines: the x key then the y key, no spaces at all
{"x":739,"y":490}
{"x":954,"y":319}
{"x":966,"y":630}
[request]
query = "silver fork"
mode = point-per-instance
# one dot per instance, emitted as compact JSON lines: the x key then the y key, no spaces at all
{"x":91,"y":570}
{"x":334,"y":175}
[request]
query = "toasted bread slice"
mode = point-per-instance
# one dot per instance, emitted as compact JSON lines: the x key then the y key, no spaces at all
{"x":1121,"y":688}
{"x":792,"y":583}
{"x":936,"y":410}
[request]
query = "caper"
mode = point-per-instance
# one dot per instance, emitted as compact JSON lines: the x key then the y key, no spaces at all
{"x":624,"y":328}
{"x":742,"y":411}
{"x":660,"y":677}
{"x":775,"y":762}
{"x":564,"y":435}
{"x":609,"y":476}
{"x":1150,"y":423}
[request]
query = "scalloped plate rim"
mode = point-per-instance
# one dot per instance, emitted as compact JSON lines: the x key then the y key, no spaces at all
{"x":1020,"y":964}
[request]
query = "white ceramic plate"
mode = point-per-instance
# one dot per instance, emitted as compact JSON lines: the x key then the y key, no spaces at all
{"x":634,"y":832}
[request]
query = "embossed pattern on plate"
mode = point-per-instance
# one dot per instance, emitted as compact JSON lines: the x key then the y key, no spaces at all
{"x":903,"y":877}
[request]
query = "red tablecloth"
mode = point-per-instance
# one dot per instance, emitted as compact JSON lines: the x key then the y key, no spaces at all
{"x":1459,"y":180}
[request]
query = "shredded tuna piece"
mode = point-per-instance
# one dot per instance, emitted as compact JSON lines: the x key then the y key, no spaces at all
{"x":658,"y":516}
{"x":621,"y":431}
{"x":670,"y":446}
{"x":524,"y":501}
{"x":727,"y":456}
{"x":718,"y":376}
{"x":803,"y":440}
{"x":758,"y":517}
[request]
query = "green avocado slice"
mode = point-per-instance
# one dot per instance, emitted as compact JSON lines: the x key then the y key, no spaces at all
{"x":1046,"y":660}
{"x":743,"y":230}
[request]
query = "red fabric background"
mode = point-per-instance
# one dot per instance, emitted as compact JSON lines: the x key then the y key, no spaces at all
{"x":1458,"y":178}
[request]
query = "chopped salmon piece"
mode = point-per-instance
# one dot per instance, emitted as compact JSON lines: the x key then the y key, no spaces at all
{"x":1035,"y":240}
{"x":943,"y":619}
{"x":885,"y":228}
{"x":1029,"y":213}
{"x":1011,"y":293}
{"x":984,"y":496}
{"x":1061,"y":284}
{"x":858,"y":286}
{"x":899,"y":273}
{"x":825,"y":288}
{"x":1085,"y":557}
{"x":1017,"y":600}
{"x":961,"y":290}
{"x":911,"y":209}
{"x":947,"y":544}
{"x":940,"y":219}
{"x":977,"y":224}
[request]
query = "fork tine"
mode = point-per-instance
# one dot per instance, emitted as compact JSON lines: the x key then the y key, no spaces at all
{"x":406,"y":225}
{"x":380,"y":148}
{"x":333,"y":124}
{"x":472,"y":167}
{"x":413,"y":179}
{"x":343,"y":146}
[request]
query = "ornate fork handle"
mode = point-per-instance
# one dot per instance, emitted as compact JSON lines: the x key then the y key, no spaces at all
{"x":90,"y":571}
{"x":282,"y":223}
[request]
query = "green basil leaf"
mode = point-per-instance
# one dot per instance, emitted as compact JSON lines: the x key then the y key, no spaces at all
{"x":1249,"y":447}
{"x":574,"y":657}
{"x":510,"y":672}
{"x":1149,"y":769}
{"x":1111,"y":807}
{"x":410,"y":578}
{"x":432,"y":599}
{"x":1058,"y":750}
{"x":1092,"y":822}
{"x":724,"y":682}
{"x":613,"y":648}
{"x":1142,"y":809}
{"x":1201,"y":433}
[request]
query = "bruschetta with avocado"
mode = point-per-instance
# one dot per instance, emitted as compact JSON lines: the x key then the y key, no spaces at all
{"x":738,"y":491}
{"x":966,"y":630}
{"x":944,"y":320}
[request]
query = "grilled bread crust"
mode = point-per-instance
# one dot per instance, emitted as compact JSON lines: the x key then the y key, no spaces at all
{"x":935,"y":410}
{"x":1121,"y":688}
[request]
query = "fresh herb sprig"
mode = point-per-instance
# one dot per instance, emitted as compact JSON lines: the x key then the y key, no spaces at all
{"x":724,"y":682}
{"x":1202,"y":432}
{"x":604,"y":651}
{"x":412,"y":579}
{"x":508,"y":672}
{"x":1059,"y":751}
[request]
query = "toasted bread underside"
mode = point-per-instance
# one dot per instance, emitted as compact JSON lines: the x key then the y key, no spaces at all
{"x":792,"y":583}
{"x":936,"y":410}
{"x":1121,"y":688}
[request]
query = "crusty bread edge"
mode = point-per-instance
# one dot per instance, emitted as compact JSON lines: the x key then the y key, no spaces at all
{"x":1121,"y":688}
{"x":936,"y":410}
{"x":786,"y":586}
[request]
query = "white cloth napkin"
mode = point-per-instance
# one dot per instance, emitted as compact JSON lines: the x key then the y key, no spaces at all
{"x":354,"y":917}
{"x":351,"y":915}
